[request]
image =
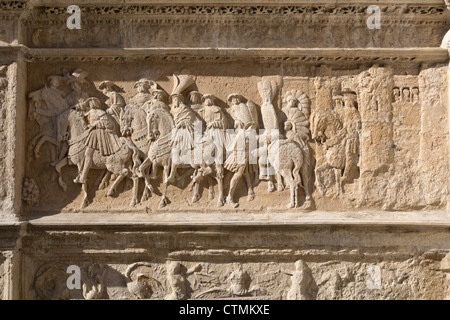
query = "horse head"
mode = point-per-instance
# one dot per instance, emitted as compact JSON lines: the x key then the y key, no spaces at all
{"x":159,"y":124}
{"x":126,"y":119}
{"x":324,"y":124}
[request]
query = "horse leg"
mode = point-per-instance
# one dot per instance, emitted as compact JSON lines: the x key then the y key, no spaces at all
{"x":62,"y":153}
{"x":41,"y":141}
{"x":135,"y":200}
{"x":280,"y":183}
{"x":233,"y":184}
{"x":64,"y":162}
{"x":113,"y":188}
{"x":164,"y":201}
{"x":210,"y":188}
{"x":220,"y":201}
{"x":173,"y":172}
{"x":251,"y":193}
{"x":196,"y":195}
{"x":147,"y":162}
{"x":337,"y":174}
{"x":105,"y":180}
{"x":147,"y":190}
{"x":85,"y":202}
{"x":32,"y":144}
{"x":321,"y":186}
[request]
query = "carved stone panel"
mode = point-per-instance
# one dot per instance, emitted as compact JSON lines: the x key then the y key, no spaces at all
{"x":178,"y":150}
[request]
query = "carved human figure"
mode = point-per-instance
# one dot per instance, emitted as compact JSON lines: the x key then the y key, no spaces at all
{"x":159,"y":101}
{"x":406,"y":95}
{"x":351,"y":120}
{"x":415,"y":94}
{"x":239,"y":282}
{"x":213,"y":143}
{"x":101,"y":136}
{"x":303,"y":286}
{"x":78,"y":84}
{"x":183,"y":135}
{"x":396,"y":94}
{"x":143,"y":94}
{"x":115,"y":101}
{"x":245,"y":118}
{"x":177,"y":280}
{"x":195,"y":101}
{"x":45,"y":106}
{"x":268,"y":90}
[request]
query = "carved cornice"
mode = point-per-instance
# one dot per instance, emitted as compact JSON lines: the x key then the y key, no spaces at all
{"x":185,"y":14}
{"x":311,"y":56}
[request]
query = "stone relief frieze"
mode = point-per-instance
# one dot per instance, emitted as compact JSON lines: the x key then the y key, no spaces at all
{"x":315,"y":140}
{"x":411,"y":278}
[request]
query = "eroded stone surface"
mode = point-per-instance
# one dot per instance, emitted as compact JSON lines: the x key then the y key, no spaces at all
{"x":93,"y":121}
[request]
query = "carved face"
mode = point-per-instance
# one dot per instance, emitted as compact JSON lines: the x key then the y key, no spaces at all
{"x":55,"y":83}
{"x":141,"y":88}
{"x":208,"y":102}
{"x":291,"y":102}
{"x":235,"y":100}
{"x":195,"y":98}
{"x":106,"y":90}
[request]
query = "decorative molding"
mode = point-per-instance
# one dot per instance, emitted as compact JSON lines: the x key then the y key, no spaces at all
{"x":314,"y":56}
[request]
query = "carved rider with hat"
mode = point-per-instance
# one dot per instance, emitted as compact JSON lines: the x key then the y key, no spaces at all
{"x":101,"y":135}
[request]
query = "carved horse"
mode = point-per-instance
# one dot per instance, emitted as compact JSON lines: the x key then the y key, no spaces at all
{"x":328,"y":131}
{"x":118,"y":164}
{"x":44,"y":107}
{"x":133,"y":125}
{"x":160,"y":132}
{"x":286,"y":157}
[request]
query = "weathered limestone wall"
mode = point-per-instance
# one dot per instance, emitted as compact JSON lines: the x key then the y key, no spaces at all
{"x":360,"y":210}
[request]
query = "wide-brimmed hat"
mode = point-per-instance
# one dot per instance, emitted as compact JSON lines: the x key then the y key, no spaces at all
{"x":159,"y":91}
{"x":144,"y":82}
{"x":235,"y":95}
{"x":194,"y":93}
{"x":109,"y":84}
{"x":96,"y":100}
{"x":179,"y":95}
{"x":209,"y":96}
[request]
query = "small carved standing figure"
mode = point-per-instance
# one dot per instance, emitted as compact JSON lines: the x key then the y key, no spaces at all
{"x":351,"y":120}
{"x":303,"y":286}
{"x":178,"y":283}
{"x":245,"y":118}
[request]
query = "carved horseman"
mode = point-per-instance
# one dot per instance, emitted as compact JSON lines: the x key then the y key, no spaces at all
{"x":78,"y":84}
{"x":45,"y":106}
{"x":245,"y":116}
{"x":143,"y":94}
{"x":101,"y":137}
{"x":158,"y":101}
{"x":213,"y":142}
